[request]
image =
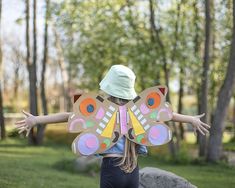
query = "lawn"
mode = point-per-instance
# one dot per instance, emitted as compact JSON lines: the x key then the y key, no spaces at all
{"x":50,"y":165}
{"x":26,"y":167}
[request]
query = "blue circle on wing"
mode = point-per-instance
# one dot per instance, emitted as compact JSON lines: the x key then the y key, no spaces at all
{"x":151,"y":101}
{"x":90,"y":108}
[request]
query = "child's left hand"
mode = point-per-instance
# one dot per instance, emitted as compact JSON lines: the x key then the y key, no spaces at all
{"x":199,"y":125}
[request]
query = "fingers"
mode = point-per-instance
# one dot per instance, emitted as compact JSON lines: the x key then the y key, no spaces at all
{"x":20,"y":122}
{"x":22,"y":130}
{"x":27,"y":134}
{"x":23,"y":124}
{"x":26,"y":113}
{"x":20,"y":126}
{"x":195,"y":131}
{"x":205,"y":125}
{"x":201,"y":115}
{"x":204,"y":129}
{"x":198,"y":128}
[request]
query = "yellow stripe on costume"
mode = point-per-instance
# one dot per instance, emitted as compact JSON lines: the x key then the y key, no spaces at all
{"x":138,"y":129}
{"x":108,"y":131}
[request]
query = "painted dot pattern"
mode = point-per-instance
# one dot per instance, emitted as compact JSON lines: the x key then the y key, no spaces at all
{"x":87,"y":106}
{"x":139,"y":138}
{"x":158,"y":134}
{"x":90,"y":108}
{"x":88,"y":144}
{"x":153,"y":100}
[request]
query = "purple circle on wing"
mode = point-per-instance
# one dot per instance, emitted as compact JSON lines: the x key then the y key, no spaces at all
{"x":158,"y":134}
{"x":88,"y":144}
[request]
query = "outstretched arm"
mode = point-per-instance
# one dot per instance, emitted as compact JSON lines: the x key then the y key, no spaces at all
{"x":31,"y":120}
{"x":194,"y":120}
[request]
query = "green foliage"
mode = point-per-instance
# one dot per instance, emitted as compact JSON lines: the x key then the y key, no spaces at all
{"x":99,"y":34}
{"x":13,"y":133}
{"x":230,"y":146}
{"x":181,"y":157}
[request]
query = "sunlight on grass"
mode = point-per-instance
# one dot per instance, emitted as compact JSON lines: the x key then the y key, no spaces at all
{"x":191,"y":138}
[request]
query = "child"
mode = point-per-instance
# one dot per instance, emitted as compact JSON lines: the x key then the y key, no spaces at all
{"x":119,"y":165}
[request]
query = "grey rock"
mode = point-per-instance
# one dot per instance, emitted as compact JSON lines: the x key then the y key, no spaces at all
{"x":156,"y":178}
{"x":84,"y":164}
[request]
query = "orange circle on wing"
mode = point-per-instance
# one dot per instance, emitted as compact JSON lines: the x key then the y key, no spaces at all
{"x":156,"y":100}
{"x":143,"y":140}
{"x":103,"y":146}
{"x":84,"y":104}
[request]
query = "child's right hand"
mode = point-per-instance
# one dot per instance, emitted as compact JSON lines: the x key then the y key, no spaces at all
{"x":26,"y":124}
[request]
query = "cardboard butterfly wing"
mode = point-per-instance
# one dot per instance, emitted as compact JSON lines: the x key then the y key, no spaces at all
{"x":94,"y":117}
{"x":147,"y":114}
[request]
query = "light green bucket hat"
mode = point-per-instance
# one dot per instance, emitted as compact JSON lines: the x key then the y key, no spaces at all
{"x":119,"y":82}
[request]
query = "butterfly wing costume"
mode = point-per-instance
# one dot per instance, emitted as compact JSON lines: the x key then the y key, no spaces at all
{"x":101,"y":123}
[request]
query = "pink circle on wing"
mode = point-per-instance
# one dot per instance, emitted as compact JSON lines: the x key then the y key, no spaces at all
{"x":154,"y":133}
{"x":158,"y":134}
{"x":87,"y":144}
{"x":144,"y":109}
{"x":90,"y":142}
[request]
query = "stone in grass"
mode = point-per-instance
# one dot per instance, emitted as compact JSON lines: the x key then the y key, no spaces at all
{"x":153,"y":177}
{"x":87,"y":164}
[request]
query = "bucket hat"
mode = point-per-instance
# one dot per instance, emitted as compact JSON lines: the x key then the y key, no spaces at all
{"x":119,"y":82}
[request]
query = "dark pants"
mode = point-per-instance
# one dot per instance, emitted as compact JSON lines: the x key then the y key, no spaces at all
{"x":113,"y":177}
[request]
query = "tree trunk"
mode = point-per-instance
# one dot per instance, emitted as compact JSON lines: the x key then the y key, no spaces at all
{"x":17,"y":58}
{"x":224,"y":96}
{"x":2,"y":122}
{"x":234,"y":116}
{"x":64,"y":72}
{"x":16,"y":83}
{"x":173,"y":147}
{"x":32,"y":68}
{"x":197,"y":43}
{"x":41,"y":129}
{"x":204,"y":85}
{"x":180,"y":104}
{"x":173,"y":58}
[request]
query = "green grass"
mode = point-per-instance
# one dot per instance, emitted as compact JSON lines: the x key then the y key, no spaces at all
{"x":50,"y":165}
{"x":23,"y":166}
